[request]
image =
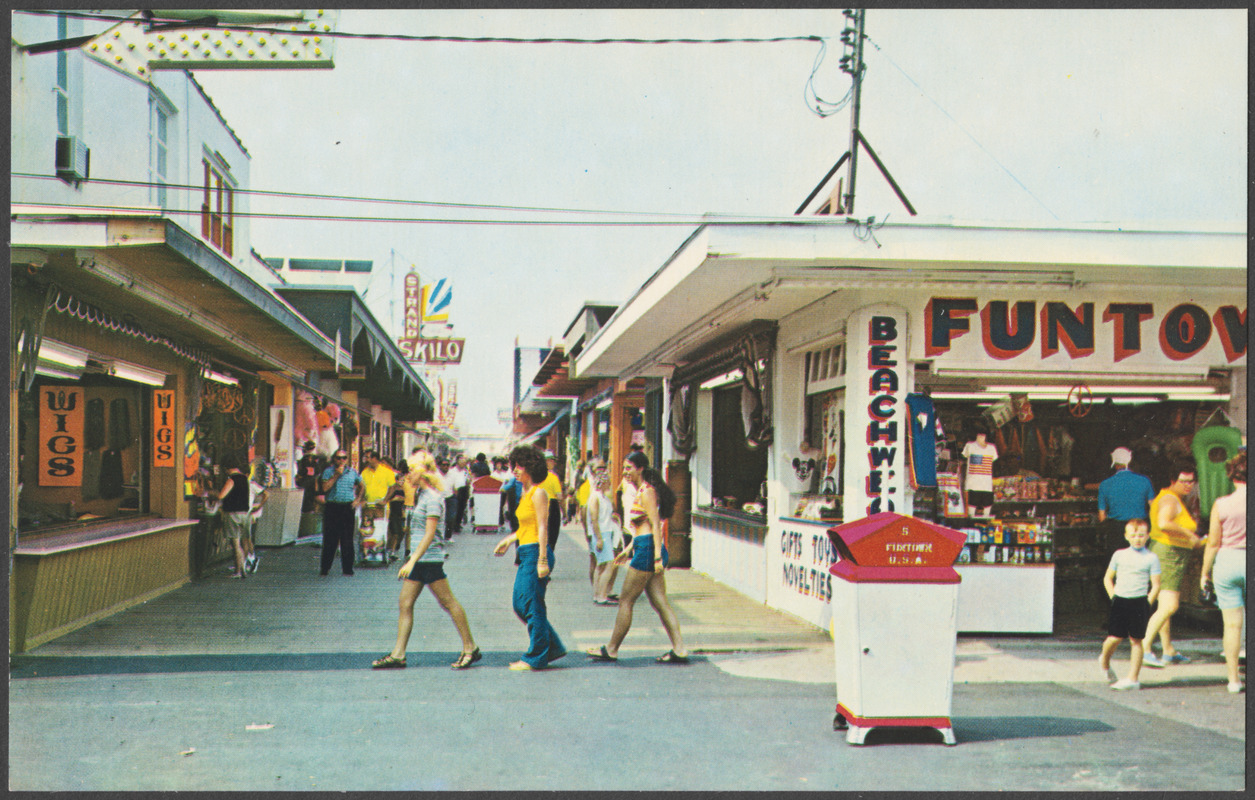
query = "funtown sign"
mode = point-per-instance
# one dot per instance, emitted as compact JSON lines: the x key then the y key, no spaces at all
{"x":1118,"y":334}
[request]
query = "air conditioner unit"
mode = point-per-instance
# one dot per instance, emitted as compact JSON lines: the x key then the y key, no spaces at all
{"x":73,"y":159}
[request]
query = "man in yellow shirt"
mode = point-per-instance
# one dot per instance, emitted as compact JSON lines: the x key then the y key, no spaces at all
{"x":552,"y":484}
{"x":377,"y":479}
{"x":1174,"y":540}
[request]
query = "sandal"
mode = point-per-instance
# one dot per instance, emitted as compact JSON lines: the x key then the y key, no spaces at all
{"x":388,"y":662}
{"x":601,"y":654}
{"x":467,"y":659}
{"x":670,"y":657}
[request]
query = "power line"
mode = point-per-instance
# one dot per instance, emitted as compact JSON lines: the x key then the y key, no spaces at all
{"x":691,"y":220}
{"x":967,"y":133}
{"x":359,"y":199}
{"x":399,"y":37}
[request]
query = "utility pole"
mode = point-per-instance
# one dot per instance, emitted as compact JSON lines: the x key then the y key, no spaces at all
{"x":842,"y":202}
{"x":852,"y":63}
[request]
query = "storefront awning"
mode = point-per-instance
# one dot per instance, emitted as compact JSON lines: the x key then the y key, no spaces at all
{"x":161,"y":278}
{"x":537,"y":435}
{"x":726,"y":275}
{"x":379,"y":369}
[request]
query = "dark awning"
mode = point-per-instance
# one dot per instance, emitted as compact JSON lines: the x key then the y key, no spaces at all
{"x":538,"y":434}
{"x":380,"y":370}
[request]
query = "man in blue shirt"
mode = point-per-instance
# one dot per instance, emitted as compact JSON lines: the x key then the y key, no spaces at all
{"x":345,"y":494}
{"x":1124,"y":496}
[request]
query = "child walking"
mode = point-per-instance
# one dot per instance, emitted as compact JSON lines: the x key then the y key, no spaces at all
{"x":1132,"y":582}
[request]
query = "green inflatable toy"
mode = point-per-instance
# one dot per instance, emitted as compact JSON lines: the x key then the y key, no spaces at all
{"x":1212,"y":447}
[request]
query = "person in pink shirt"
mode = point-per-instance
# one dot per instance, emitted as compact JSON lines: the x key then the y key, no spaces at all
{"x":1224,"y":564}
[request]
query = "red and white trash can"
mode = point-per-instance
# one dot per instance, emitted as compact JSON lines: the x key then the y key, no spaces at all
{"x":894,"y":609}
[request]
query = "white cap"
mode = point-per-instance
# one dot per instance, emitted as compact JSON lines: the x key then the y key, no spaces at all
{"x":549,"y":454}
{"x":1121,"y":456}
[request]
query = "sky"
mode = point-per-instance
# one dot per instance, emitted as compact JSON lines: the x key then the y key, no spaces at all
{"x":1042,"y":117}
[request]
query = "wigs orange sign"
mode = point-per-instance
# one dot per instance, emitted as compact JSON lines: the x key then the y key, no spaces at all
{"x":164,"y":442}
{"x":61,"y":436}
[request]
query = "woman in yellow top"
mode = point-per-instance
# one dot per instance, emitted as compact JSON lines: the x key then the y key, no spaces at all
{"x":648,"y":561}
{"x":1174,"y":538}
{"x":534,"y":561}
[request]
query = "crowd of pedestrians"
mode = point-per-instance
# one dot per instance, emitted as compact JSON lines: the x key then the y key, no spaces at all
{"x":533,"y":502}
{"x":426,"y":501}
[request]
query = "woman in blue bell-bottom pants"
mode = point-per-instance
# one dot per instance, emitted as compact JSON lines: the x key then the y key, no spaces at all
{"x":529,"y":604}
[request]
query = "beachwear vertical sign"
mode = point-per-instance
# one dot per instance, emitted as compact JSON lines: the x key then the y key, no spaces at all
{"x":876,"y":420}
{"x":164,"y":442}
{"x":61,"y":413}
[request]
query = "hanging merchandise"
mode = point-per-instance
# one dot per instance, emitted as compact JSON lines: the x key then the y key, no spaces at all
{"x":91,"y":475}
{"x":94,"y":425}
{"x":119,"y":424}
{"x":1059,"y":463}
{"x":111,"y":474}
{"x":1023,"y":408}
{"x":951,"y":495}
{"x":921,"y":440}
{"x":999,"y":414}
{"x":1212,"y":447}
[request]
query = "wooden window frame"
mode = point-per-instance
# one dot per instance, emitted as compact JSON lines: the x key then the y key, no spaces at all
{"x":217,"y":210}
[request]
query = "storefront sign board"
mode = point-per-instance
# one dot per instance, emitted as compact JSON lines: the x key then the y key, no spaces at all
{"x":61,"y":415}
{"x":1080,"y":331}
{"x":799,"y":555}
{"x":432,"y":351}
{"x":877,"y":381}
{"x":165,"y":443}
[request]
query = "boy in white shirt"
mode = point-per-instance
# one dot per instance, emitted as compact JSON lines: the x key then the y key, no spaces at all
{"x":1132,"y":583}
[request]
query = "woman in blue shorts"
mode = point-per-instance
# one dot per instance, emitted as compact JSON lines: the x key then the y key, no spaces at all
{"x":425,"y":566}
{"x":648,"y":561}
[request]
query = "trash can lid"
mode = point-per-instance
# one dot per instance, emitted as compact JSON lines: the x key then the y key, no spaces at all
{"x":889,"y":539}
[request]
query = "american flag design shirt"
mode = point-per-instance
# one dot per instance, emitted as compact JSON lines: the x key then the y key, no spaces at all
{"x":980,"y":466}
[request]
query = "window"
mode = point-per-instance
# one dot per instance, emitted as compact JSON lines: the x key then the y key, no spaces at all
{"x":825,"y":367}
{"x":739,"y":471}
{"x":217,"y":210}
{"x":314,"y":264}
{"x":159,"y":149}
{"x":824,"y":423}
{"x":63,"y":79}
{"x":97,"y":465}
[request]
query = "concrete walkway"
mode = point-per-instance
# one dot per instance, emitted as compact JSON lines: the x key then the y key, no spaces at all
{"x":265,"y":683}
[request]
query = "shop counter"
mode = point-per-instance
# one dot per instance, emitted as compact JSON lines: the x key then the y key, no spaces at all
{"x":729,"y":546}
{"x":280,"y":520}
{"x":130,"y":562}
{"x":1006,"y":598}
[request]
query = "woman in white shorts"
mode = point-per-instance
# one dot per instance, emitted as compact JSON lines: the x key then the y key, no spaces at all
{"x":603,"y":534}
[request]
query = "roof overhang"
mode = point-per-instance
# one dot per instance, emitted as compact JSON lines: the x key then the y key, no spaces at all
{"x":388,"y":378}
{"x":726,"y":275}
{"x":152,"y":270}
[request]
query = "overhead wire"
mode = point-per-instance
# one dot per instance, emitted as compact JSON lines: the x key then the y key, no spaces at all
{"x":814,"y":102}
{"x":360,"y":199}
{"x":966,"y":132}
{"x":644,"y":218}
{"x":79,"y":209}
{"x":400,"y":37}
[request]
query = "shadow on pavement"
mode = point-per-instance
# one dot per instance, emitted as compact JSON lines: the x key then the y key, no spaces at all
{"x":992,"y":729}
{"x":72,"y":666}
{"x":26,"y":667}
